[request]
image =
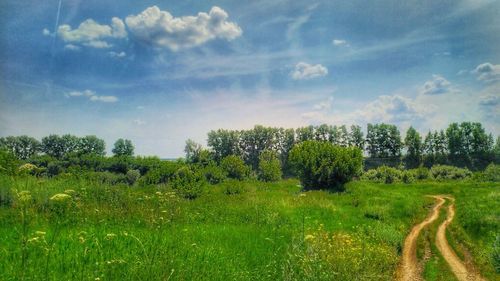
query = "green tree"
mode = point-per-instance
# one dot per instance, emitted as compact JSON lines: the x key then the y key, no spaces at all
{"x":413,"y":143}
{"x":324,"y":165}
{"x":383,"y":140}
{"x":192,"y":150}
{"x":22,"y":147}
{"x":123,"y":147}
{"x":224,"y":143}
{"x":235,"y":167}
{"x":269,"y":166}
{"x":356,"y":137}
{"x":92,"y":145}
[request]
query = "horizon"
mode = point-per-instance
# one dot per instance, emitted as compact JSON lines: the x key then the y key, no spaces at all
{"x":159,"y":74}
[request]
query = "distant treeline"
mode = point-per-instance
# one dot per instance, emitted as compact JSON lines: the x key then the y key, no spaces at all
{"x":464,"y":145}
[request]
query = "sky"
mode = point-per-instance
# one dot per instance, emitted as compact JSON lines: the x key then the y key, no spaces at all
{"x":160,"y":72}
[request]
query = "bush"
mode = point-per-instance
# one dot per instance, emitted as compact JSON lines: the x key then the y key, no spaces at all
{"x":234,"y":167}
{"x":132,"y":176}
{"x":233,"y":187}
{"x":107,"y":177}
{"x":8,"y":162}
{"x":161,"y":174}
{"x":269,"y":166}
{"x":444,"y":172}
{"x":421,"y":173}
{"x":491,"y":173}
{"x":383,"y":174}
{"x":214,"y":174}
{"x":55,"y":168}
{"x":408,"y":176}
{"x":188,"y":183}
{"x":324,"y":165}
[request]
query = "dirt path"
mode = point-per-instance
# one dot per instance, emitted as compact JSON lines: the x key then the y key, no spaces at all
{"x":456,"y":265}
{"x":409,"y":270}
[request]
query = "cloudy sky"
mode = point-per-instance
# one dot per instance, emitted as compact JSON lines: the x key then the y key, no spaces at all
{"x":160,"y":72}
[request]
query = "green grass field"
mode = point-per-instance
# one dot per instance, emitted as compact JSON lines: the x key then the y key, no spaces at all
{"x":265,"y":231}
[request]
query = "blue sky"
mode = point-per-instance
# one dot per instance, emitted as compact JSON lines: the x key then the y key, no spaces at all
{"x":160,"y":72}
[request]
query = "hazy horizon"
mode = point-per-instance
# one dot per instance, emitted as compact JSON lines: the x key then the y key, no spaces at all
{"x":158,"y":73}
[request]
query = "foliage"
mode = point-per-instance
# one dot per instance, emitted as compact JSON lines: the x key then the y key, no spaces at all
{"x":444,"y":172}
{"x":383,"y":174}
{"x":214,"y":174}
{"x":123,"y":147}
{"x":421,"y":173}
{"x":160,"y":174}
{"x":133,"y":176}
{"x":23,"y":147}
{"x":233,"y":187}
{"x":234,"y":167}
{"x":413,"y":144}
{"x":491,"y":173}
{"x":187,"y":182}
{"x":8,"y":162}
{"x":383,"y":140}
{"x":269,"y":166}
{"x":321,"y":164}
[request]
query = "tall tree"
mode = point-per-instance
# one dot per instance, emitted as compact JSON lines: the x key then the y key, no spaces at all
{"x":92,"y":145}
{"x":22,"y":147}
{"x":356,"y":137}
{"x":123,"y":147}
{"x":413,"y":143}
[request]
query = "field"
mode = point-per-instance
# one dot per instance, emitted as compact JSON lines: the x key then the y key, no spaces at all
{"x":246,"y":230}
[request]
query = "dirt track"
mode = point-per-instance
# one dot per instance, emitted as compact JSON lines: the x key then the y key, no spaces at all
{"x":409,"y":269}
{"x":456,"y":265}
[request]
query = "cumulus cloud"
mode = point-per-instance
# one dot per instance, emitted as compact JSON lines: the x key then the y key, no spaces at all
{"x":71,"y":47}
{"x":487,"y":72}
{"x":305,"y":71}
{"x":438,"y":85}
{"x":339,"y":42}
{"x":117,"y":55}
{"x":46,"y":32}
{"x":92,"y":34}
{"x":393,"y":108}
{"x":490,"y":100}
{"x":324,"y":105}
{"x":92,"y":96}
{"x":162,"y":30}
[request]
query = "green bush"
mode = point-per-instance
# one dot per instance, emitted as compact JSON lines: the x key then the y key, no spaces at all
{"x":491,"y":173}
{"x":107,"y":177}
{"x":132,"y":176}
{"x":383,"y":174}
{"x":214,"y":174}
{"x":55,"y":168}
{"x":187,"y":182}
{"x":421,"y":173}
{"x":8,"y":162}
{"x":408,"y":176}
{"x":233,"y":187}
{"x":323,"y":165}
{"x":160,"y":174}
{"x":444,"y":172}
{"x":269,"y":166}
{"x":234,"y":167}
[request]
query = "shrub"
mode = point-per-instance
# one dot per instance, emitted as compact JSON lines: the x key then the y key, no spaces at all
{"x":107,"y":177}
{"x":383,"y":174}
{"x":132,"y":176}
{"x":421,"y":173}
{"x":188,"y":183}
{"x":54,"y":168}
{"x":234,"y":167}
{"x":161,"y":174}
{"x":269,"y":166}
{"x":8,"y":162}
{"x":233,"y":187}
{"x":324,"y":165}
{"x":444,"y":172}
{"x":408,"y":176}
{"x":214,"y":174}
{"x":492,"y":173}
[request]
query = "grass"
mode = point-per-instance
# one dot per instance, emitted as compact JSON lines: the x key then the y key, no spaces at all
{"x":266,"y":231}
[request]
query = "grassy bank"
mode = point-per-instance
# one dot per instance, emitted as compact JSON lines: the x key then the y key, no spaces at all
{"x":254,"y":231}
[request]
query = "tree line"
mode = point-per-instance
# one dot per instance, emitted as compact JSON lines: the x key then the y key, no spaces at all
{"x":464,"y":145}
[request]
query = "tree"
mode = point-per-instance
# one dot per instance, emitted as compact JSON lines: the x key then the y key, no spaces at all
{"x":235,"y":167}
{"x":54,"y":145}
{"x":383,"y":140}
{"x":269,"y":166}
{"x":356,"y":137}
{"x":94,"y":145}
{"x":413,"y":143}
{"x":123,"y":147}
{"x":224,"y":143}
{"x":325,"y":165}
{"x":192,"y":150}
{"x":22,"y":147}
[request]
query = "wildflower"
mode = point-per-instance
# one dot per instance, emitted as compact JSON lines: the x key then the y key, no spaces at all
{"x":27,"y":167}
{"x":309,"y":237}
{"x":70,"y":191}
{"x":60,"y":197}
{"x":302,"y":195}
{"x":110,"y":236}
{"x":24,"y":196}
{"x":40,"y":233}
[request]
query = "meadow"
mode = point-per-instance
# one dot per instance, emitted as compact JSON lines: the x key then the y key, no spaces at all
{"x":236,"y":230}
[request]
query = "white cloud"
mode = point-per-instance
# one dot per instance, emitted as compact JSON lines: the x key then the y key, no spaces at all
{"x":117,"y":55}
{"x":308,"y":71}
{"x":438,"y":85}
{"x":324,"y":105}
{"x":138,"y":122}
{"x":162,"y":30}
{"x":46,"y":32}
{"x":391,"y":109}
{"x":489,"y":100}
{"x":91,"y":95}
{"x":71,"y":47}
{"x":487,"y":72}
{"x":92,"y":34}
{"x":339,"y":42}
